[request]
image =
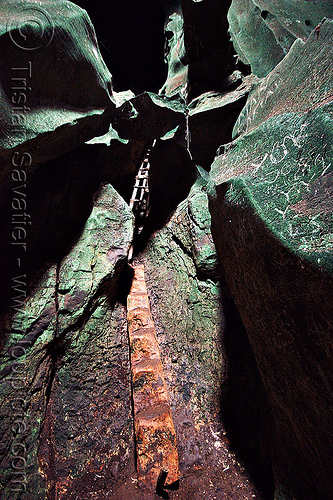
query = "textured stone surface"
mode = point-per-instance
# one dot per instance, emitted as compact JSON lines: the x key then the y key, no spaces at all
{"x":286,"y":152}
{"x":253,"y":41}
{"x":185,"y":299}
{"x":46,"y":109}
{"x":87,"y":437}
{"x":272,"y":225}
{"x":175,"y":54}
{"x":149,"y":116}
{"x":284,"y":305}
{"x":288,"y":185}
{"x":285,"y":90}
{"x":104,"y":244}
{"x":57,"y":199}
{"x":263,"y":31}
{"x":245,"y":342}
{"x":76,"y":372}
{"x":50,"y":364}
{"x":299,"y":18}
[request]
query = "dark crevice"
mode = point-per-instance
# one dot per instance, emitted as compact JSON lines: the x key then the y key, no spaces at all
{"x":46,"y":428}
{"x":245,"y":69}
{"x":246,"y":411}
{"x":131,"y":39}
{"x":207,"y":137}
{"x":124,"y":283}
{"x":209,"y":50}
{"x":52,"y":346}
{"x":181,"y":245}
{"x":201,"y":274}
{"x":172,"y":174}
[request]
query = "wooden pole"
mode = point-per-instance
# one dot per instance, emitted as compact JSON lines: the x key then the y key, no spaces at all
{"x":156,"y":445}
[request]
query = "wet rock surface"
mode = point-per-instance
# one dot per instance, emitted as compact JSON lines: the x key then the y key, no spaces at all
{"x":236,"y":247}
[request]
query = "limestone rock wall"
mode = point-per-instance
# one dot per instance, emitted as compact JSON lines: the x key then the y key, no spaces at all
{"x":237,"y":247}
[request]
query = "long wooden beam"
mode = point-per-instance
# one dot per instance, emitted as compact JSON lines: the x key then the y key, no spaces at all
{"x":156,"y":445}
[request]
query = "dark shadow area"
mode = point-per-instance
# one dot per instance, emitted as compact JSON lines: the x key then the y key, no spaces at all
{"x":131,"y":40}
{"x":124,"y":284}
{"x":58,"y":200}
{"x":285,"y":304}
{"x":208,"y":133}
{"x":172,"y":174}
{"x":208,"y":46}
{"x":245,"y":409}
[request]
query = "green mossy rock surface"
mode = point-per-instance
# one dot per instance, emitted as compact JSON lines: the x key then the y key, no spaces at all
{"x":279,"y":170}
{"x":60,"y":325}
{"x":253,"y":41}
{"x":297,"y":17}
{"x":271,"y":206}
{"x":175,"y":54}
{"x":281,"y":161}
{"x":238,"y":261}
{"x":263,"y":31}
{"x":61,"y":96}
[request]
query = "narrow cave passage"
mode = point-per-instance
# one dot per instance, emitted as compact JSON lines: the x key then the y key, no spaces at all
{"x":238,"y":317}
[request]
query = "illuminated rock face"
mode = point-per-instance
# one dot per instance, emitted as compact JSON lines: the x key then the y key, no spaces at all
{"x":237,"y":250}
{"x":56,"y":90}
{"x":272,"y":225}
{"x":263,"y":30}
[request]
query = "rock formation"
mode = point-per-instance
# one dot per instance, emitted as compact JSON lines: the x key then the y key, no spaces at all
{"x":236,"y":249}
